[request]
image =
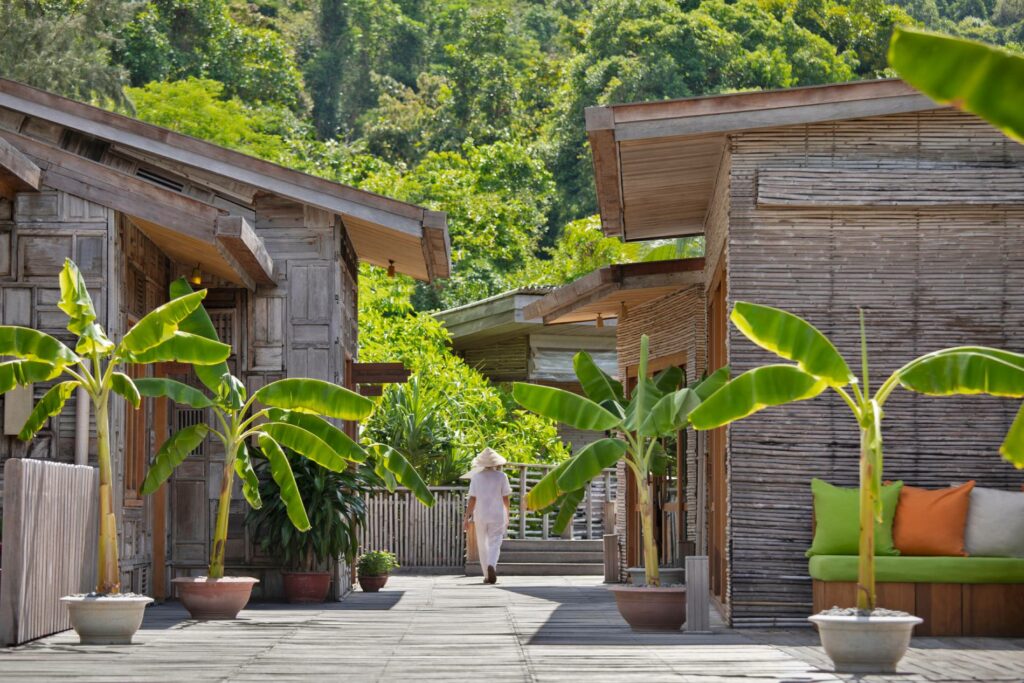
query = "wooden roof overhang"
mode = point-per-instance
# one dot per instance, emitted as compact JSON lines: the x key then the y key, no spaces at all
{"x":383,"y":231}
{"x":608,"y":291}
{"x":186,"y":229}
{"x":656,"y":163}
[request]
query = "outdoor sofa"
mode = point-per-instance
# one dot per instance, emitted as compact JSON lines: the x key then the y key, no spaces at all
{"x":954,"y":557}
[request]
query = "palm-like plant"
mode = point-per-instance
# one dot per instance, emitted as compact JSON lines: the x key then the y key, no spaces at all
{"x":657,"y":408}
{"x":293,"y":417}
{"x":94,"y":367}
{"x":819,"y":366}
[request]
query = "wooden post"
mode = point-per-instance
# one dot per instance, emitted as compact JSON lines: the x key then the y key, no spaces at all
{"x":522,"y":502}
{"x":698,"y":595}
{"x":611,"y":558}
{"x":588,"y":510}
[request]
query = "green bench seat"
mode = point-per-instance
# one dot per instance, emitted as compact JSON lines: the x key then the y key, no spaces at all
{"x":907,"y":569}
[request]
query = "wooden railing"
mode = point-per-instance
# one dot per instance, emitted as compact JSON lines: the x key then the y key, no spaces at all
{"x":595,"y":515}
{"x":420,"y":536}
{"x":49,"y":545}
{"x":432,"y":537}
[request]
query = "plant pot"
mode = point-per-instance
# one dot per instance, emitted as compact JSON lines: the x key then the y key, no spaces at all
{"x":206,"y":598}
{"x":372,"y":584}
{"x":874,"y":644}
{"x":669,"y":576}
{"x":651,"y":608}
{"x":306,"y":586}
{"x":106,"y":620}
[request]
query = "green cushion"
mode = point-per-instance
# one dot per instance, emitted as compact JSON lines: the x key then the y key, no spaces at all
{"x":837,"y":519}
{"x":916,"y":569}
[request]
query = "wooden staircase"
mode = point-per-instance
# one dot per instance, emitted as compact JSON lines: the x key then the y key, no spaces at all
{"x":553,"y":557}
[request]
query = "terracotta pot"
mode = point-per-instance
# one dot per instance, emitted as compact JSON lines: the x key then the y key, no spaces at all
{"x":306,"y":586}
{"x":874,"y":644}
{"x":372,"y":584}
{"x":651,"y":609}
{"x":206,"y":598}
{"x":106,"y":620}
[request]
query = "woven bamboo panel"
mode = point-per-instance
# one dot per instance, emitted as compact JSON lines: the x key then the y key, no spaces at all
{"x":927,"y":277}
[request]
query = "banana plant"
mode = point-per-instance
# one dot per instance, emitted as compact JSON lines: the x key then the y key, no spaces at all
{"x":94,"y":366}
{"x":657,"y":408}
{"x":289,"y":413}
{"x":818,"y":366}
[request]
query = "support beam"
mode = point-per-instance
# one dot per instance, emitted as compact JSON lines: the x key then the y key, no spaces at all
{"x":246,"y":246}
{"x":18,"y":173}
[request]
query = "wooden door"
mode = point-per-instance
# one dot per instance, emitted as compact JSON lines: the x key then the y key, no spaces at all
{"x":717,"y":492}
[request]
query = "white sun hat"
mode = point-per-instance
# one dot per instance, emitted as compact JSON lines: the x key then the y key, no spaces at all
{"x":488,"y":457}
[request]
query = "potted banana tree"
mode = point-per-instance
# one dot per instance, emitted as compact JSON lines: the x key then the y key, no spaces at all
{"x":105,"y":615}
{"x":656,"y":409}
{"x":870,"y":639}
{"x":289,"y":413}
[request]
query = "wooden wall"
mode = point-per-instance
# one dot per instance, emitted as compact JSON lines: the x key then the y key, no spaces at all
{"x":676,"y":325}
{"x":927,"y":276}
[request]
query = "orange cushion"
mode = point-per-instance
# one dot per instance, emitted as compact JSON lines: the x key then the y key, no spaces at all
{"x":932,"y":522}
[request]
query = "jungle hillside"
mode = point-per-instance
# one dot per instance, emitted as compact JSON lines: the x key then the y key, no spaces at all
{"x":470,"y":107}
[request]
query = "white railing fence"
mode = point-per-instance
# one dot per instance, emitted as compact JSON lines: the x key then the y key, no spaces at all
{"x":423,"y":537}
{"x":49,"y":545}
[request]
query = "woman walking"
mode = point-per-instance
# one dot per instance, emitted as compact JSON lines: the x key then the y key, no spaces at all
{"x":489,"y":493}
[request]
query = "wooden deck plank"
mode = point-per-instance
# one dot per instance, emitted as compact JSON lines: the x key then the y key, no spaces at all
{"x":445,"y":628}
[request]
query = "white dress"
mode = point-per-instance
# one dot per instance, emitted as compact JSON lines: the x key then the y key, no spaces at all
{"x":489,"y":487}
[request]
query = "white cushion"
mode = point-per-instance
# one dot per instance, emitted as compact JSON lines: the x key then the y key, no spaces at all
{"x":995,"y":524}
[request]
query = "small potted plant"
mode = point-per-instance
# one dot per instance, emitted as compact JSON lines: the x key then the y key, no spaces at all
{"x":657,"y":408}
{"x":337,"y":509}
{"x":293,"y":416}
{"x":374,"y":568}
{"x":862,"y":638}
{"x":105,"y":616}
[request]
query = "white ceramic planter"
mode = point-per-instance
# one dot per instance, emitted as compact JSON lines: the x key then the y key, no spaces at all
{"x":865,"y":644}
{"x":106,"y":620}
{"x":669,"y":576}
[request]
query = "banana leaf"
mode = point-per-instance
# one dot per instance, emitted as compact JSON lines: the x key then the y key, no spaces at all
{"x":174,"y":451}
{"x":19,"y":373}
{"x":198,"y":322}
{"x":669,"y":379}
{"x":546,"y":492}
{"x":29,"y":344}
{"x":331,"y":435}
{"x":754,"y":390}
{"x":77,"y":304}
{"x":567,"y":509}
{"x":123,"y":386}
{"x":305,"y":443}
{"x":670,"y":414}
{"x":247,"y":475}
{"x":404,"y":473}
{"x":315,"y":396}
{"x":159,"y":387}
{"x":712,"y":383}
{"x":979,"y":78}
{"x":598,"y":385}
{"x":283,"y":476}
{"x":794,"y":339}
{"x":591,"y":460}
{"x":161,"y":323}
{"x":564,"y":406}
{"x":1013,"y":445}
{"x":183,"y":347}
{"x":975,"y":371}
{"x":49,"y":405}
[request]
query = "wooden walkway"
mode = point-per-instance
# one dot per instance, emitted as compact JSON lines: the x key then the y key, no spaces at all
{"x":443,"y":628}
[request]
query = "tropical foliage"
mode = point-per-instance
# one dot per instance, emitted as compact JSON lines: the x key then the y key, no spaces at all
{"x":335,"y":505}
{"x":658,"y":407}
{"x":95,"y":366}
{"x":376,"y":563}
{"x":293,"y":416}
{"x":815,"y":366}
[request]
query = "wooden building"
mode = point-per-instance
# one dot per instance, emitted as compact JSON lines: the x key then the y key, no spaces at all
{"x":495,"y":337}
{"x":817,"y":200}
{"x":136,"y":205}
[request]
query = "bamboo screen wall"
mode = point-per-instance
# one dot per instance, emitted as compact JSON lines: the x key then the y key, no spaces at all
{"x":928,"y":276}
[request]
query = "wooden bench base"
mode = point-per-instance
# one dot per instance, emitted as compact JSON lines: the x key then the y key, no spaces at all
{"x":948,"y":609}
